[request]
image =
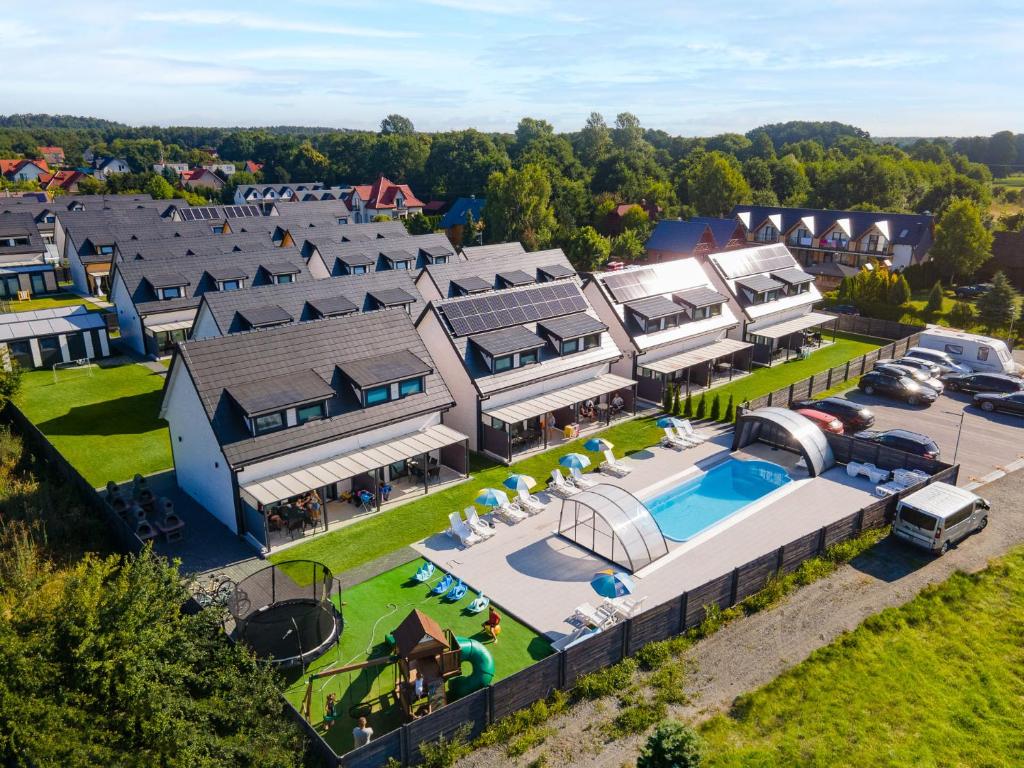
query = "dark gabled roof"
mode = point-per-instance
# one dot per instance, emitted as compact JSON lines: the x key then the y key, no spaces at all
{"x":490,"y":266}
{"x":398,"y":254}
{"x":384,"y":368}
{"x":914,"y":229}
{"x":556,"y":271}
{"x":701,"y":296}
{"x":792,"y":276}
{"x":456,"y":215}
{"x":500,"y":250}
{"x":333,"y":305}
{"x":759,"y":283}
{"x":722,"y":230}
{"x":516,"y":277}
{"x":572,"y":326}
{"x":472,"y":284}
{"x":216,"y":365}
{"x":166,"y":279}
{"x":357,"y":259}
{"x":831,"y":269}
{"x":227,"y":272}
{"x":21,"y":225}
{"x":269,"y":314}
{"x":280,"y":267}
{"x":419,"y":635}
{"x":505,"y":341}
{"x":391,"y":297}
{"x":677,"y":236}
{"x":654,"y":307}
{"x":282,"y":391}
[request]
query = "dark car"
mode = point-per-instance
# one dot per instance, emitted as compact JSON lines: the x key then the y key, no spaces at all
{"x":897,"y":387}
{"x":982,"y":382}
{"x":903,"y":440}
{"x":1000,"y":401}
{"x":854,"y":416}
{"x":897,"y":369}
{"x":844,"y":309}
{"x":973,"y":291}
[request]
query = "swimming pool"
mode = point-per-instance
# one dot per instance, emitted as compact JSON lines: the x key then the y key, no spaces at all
{"x":696,"y":505}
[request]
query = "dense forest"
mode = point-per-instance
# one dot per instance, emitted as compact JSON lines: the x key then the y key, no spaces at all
{"x":551,"y":188}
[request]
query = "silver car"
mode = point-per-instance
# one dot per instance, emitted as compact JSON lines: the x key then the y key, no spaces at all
{"x":938,"y":516}
{"x":922,"y":378}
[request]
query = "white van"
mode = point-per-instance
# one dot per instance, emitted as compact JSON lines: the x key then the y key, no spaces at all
{"x":939,"y":515}
{"x":979,"y":353}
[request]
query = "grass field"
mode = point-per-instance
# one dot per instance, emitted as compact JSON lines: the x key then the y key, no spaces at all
{"x":372,"y":610}
{"x":938,"y":682}
{"x":361,"y":542}
{"x":105,"y":424}
{"x":1016,"y":180}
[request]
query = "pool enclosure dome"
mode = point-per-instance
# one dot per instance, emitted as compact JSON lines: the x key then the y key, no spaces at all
{"x":614,"y":524}
{"x":786,"y":429}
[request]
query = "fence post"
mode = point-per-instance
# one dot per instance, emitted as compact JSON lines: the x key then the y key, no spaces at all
{"x":860,"y":520}
{"x":781,"y":558}
{"x":828,"y":379}
{"x":735,"y":588}
{"x":863,"y":361}
{"x":562,"y":683}
{"x":683,"y":604}
{"x":771,"y":396}
{"x":846,"y":377}
{"x":625,"y":637}
{"x":810,"y":386}
{"x":404,"y":742}
{"x":821,"y":540}
{"x":789,"y":398}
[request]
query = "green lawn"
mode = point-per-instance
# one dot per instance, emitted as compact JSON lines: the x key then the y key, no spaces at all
{"x":105,"y":424}
{"x":1017,"y":180}
{"x":361,"y":542}
{"x":50,"y":302}
{"x":372,"y":610}
{"x":938,"y":682}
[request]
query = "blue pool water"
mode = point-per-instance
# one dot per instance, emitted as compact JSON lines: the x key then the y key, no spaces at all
{"x":689,"y":508}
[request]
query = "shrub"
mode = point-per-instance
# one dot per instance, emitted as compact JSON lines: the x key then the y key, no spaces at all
{"x":669,"y":681}
{"x":688,"y":407}
{"x":730,"y":411}
{"x":666,"y":399}
{"x":675,"y":400}
{"x":934,"y":305}
{"x":445,"y":753}
{"x":702,"y":408}
{"x":653,"y":655}
{"x":962,"y":315}
{"x":716,"y":408}
{"x":672,"y":745}
{"x":606,"y":682}
{"x":635,"y":718}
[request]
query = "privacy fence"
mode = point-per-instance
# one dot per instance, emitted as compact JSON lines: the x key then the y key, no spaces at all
{"x":684,"y":612}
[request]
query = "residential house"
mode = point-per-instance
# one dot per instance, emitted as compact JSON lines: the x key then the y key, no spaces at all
{"x":382,"y":198}
{"x":612,"y":224}
{"x":347,"y":407}
{"x":53,"y":156}
{"x":435,"y":208}
{"x":271,"y":193}
{"x":157,"y":300}
{"x":671,"y":323}
{"x":228,"y":169}
{"x":23,"y":170}
{"x":24,"y":268}
{"x":44,"y":338}
{"x":831,"y":244}
{"x":216,"y":213}
{"x":105,"y":166}
{"x":511,"y":251}
{"x":484,"y":270}
{"x":253,"y":167}
{"x":698,"y":236}
{"x":45,"y":211}
{"x":178,"y":168}
{"x":362,"y":256}
{"x":202,"y":178}
{"x":65,"y":181}
{"x":524,"y":354}
{"x":772,"y":296}
{"x":224,"y":312}
{"x":454,"y":222}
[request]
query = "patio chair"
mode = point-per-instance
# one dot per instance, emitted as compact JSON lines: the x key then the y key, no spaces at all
{"x":577,"y":478}
{"x":560,"y":486}
{"x":672,"y":440}
{"x":529,"y":503}
{"x":462,"y":532}
{"x":477,"y":525}
{"x":578,"y":635}
{"x":510,"y":513}
{"x":613,"y":466}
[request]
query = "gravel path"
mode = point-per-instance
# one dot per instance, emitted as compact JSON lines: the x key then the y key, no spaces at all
{"x":751,"y":652}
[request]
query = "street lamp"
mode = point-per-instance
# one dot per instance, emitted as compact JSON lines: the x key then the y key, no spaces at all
{"x":960,"y":429}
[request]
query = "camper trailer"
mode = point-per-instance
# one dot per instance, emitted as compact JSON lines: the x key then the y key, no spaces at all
{"x":979,"y":353}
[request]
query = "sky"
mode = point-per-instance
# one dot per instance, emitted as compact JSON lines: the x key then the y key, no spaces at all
{"x":892,"y":67}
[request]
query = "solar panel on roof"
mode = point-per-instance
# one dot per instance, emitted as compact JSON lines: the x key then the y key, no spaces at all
{"x":751,"y":261}
{"x":489,"y":313}
{"x":634,"y":284}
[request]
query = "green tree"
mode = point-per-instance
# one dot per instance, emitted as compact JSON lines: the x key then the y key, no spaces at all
{"x":962,"y":316}
{"x":688,"y":406}
{"x":962,"y":244}
{"x":587,"y":249}
{"x":666,"y":399}
{"x":594,"y":141}
{"x":717,"y":184}
{"x":675,"y":399}
{"x":87,"y":185}
{"x":158,"y":188}
{"x":672,"y":745}
{"x":636,"y":218}
{"x":716,"y":408}
{"x":10,"y":383}
{"x":899,"y":290}
{"x":469,"y":230}
{"x":702,"y":407}
{"x":996,"y":309}
{"x":396,"y":124}
{"x":628,"y":246}
{"x":730,"y":411}
{"x":418,"y":224}
{"x":519,"y":208}
{"x":461,"y":163}
{"x":935,"y":295}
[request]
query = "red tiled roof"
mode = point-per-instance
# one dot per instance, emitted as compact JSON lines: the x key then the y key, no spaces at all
{"x":13,"y":166}
{"x":253,"y":167}
{"x":384,"y":191}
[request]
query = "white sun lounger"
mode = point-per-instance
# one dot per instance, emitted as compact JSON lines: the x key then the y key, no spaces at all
{"x":587,"y":615}
{"x":478,"y":526}
{"x":686,"y":430}
{"x":462,"y":532}
{"x":510,"y":513}
{"x":613,"y":466}
{"x":529,"y":503}
{"x":560,"y":486}
{"x":672,"y":440}
{"x":581,"y":482}
{"x":624,"y":607}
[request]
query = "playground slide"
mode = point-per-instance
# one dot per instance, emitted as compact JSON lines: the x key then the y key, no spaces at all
{"x":483,"y":668}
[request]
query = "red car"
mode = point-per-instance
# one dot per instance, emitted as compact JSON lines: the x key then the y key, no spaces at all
{"x":826,"y":422}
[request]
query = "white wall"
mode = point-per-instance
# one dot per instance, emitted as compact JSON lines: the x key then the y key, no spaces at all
{"x":462,"y":416}
{"x":425,"y":285}
{"x":622,"y":339}
{"x":127,"y":316}
{"x":902,"y":256}
{"x":199,"y":463}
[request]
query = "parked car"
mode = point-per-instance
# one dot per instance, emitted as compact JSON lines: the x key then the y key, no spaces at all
{"x":939,"y":515}
{"x":940,"y":358}
{"x":982,"y":382}
{"x":902,"y":440}
{"x":932,"y":369}
{"x":1012,"y":402}
{"x":973,"y":291}
{"x":854,"y":416}
{"x":826,"y":422}
{"x":898,"y":387}
{"x":844,"y":309}
{"x":922,"y":378}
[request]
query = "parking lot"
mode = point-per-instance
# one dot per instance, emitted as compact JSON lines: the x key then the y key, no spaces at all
{"x":988,"y":441}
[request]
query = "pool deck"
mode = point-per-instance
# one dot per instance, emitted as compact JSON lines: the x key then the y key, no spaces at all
{"x":540,"y":577}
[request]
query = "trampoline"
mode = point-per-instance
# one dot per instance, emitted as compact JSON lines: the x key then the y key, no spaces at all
{"x":282,"y":622}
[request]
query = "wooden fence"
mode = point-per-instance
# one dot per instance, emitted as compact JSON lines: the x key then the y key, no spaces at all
{"x":660,"y":622}
{"x":880,"y":329}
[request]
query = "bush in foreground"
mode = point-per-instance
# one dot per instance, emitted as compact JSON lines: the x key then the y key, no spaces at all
{"x":672,"y":745}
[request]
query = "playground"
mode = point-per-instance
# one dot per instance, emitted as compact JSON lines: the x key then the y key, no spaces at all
{"x":377,"y":608}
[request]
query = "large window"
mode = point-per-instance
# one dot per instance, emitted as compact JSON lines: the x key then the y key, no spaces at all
{"x":231,"y":285}
{"x":376,"y":395}
{"x":174,"y":292}
{"x":503,"y":363}
{"x":285,"y":279}
{"x":410,"y":387}
{"x":312,"y":412}
{"x":570,"y":345}
{"x":105,"y":250}
{"x":529,"y":357}
{"x":703,"y":313}
{"x":268,"y":423}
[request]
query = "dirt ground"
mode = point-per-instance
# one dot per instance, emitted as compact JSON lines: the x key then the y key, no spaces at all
{"x":752,"y":651}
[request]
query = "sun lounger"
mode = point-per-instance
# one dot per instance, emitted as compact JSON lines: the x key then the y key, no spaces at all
{"x":529,"y":503}
{"x":578,"y":635}
{"x":588,"y":615}
{"x":868,"y":470}
{"x":624,"y":607}
{"x":686,"y":430}
{"x":560,"y":486}
{"x":457,"y":592}
{"x":672,"y":440}
{"x":581,"y":482}
{"x":480,"y":604}
{"x":462,"y":532}
{"x":424,"y":572}
{"x":443,"y":585}
{"x":478,"y":526}
{"x":510,"y":513}
{"x":613,"y":466}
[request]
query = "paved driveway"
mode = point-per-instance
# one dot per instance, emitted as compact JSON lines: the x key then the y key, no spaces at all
{"x":988,"y":442}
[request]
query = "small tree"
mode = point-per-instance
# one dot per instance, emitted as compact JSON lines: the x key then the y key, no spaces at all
{"x":997,"y":307}
{"x":677,"y":404}
{"x":468,"y":230}
{"x":672,"y":745}
{"x":934,"y":305}
{"x":962,"y":316}
{"x":688,"y":406}
{"x":716,"y":408}
{"x":666,"y":399}
{"x":702,"y":408}
{"x":730,"y":411}
{"x":675,"y":400}
{"x":899,"y":290}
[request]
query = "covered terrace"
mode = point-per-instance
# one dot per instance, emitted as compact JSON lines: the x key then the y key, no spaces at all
{"x":696,"y":368}
{"x":780,"y":340}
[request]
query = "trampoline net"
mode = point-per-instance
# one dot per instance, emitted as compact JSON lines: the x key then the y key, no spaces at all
{"x":285,"y":612}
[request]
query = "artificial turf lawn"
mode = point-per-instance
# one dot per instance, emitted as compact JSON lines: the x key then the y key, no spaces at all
{"x":53,"y":301}
{"x":105,"y":424}
{"x":376,"y":607}
{"x":361,"y":542}
{"x":938,"y":682}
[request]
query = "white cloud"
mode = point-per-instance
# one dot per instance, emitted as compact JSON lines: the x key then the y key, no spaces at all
{"x":266,"y":23}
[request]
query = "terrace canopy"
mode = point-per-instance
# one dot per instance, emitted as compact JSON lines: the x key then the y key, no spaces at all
{"x":614,"y":524}
{"x":787,"y":429}
{"x":797,"y":324}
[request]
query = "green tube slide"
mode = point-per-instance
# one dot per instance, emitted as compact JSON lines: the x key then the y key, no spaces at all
{"x":482,"y":662}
